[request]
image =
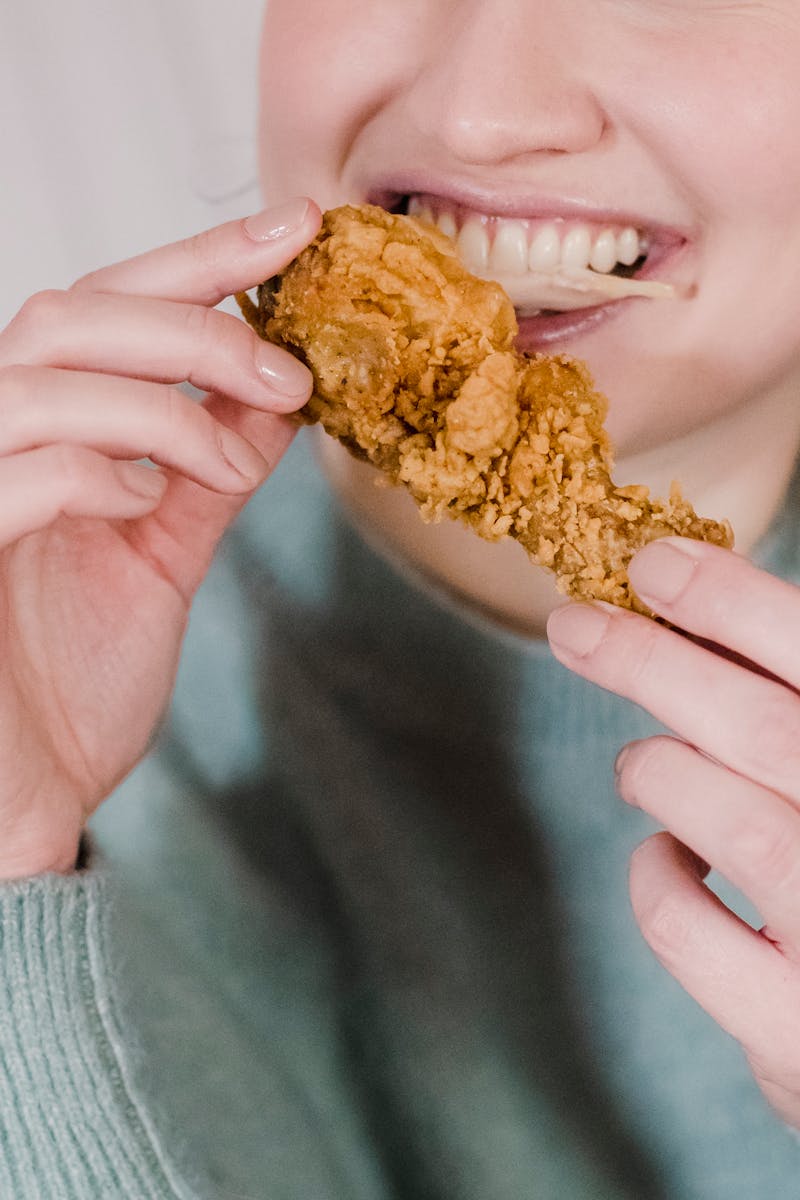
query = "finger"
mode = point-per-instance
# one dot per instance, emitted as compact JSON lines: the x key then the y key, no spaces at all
{"x":158,"y":340}
{"x":124,"y":418}
{"x":737,"y":976}
{"x":182,"y":535}
{"x":720,"y":596}
{"x":750,"y":835}
{"x":41,"y":485}
{"x":749,"y":723}
{"x":206,"y":268}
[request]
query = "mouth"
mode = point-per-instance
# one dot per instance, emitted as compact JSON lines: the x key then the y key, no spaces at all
{"x":562,"y":273}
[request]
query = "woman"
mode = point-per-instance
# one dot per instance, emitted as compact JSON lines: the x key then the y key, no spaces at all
{"x":390,"y":899}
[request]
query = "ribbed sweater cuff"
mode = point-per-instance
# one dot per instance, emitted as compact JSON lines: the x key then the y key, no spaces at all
{"x":71,"y":1123}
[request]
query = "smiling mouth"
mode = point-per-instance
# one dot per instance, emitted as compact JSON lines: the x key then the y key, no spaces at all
{"x":550,"y":265}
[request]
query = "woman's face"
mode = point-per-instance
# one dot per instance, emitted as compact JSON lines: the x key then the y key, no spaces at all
{"x":566,"y":121}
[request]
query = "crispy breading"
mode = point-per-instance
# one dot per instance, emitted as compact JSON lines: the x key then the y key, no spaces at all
{"x":415,"y":370}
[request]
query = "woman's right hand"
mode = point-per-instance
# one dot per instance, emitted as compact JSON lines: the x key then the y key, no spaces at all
{"x":100,"y":556}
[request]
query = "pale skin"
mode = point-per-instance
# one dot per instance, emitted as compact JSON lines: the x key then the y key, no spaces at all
{"x":100,"y":557}
{"x":619,"y":105}
{"x":599,"y":105}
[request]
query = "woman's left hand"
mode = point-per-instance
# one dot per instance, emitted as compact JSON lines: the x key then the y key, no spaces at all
{"x":726,"y":788}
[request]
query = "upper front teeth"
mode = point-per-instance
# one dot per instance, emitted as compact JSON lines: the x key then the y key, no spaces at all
{"x":514,"y":247}
{"x":545,"y":252}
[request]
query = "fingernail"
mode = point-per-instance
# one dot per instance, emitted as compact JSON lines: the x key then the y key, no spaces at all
{"x":661,"y":571}
{"x":283,"y":373}
{"x":240,"y":455}
{"x":578,"y":629}
{"x":275,"y":223}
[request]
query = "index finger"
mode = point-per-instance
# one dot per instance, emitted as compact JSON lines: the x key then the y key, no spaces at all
{"x":722,"y":598}
{"x":749,"y":723}
{"x":211,"y":265}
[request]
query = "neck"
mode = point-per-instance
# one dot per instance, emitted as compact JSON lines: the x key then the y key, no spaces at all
{"x":736,"y":468}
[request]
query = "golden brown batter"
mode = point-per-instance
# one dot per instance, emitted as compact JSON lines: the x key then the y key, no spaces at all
{"x":415,"y":370}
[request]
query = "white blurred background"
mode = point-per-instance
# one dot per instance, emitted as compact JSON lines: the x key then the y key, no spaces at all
{"x":123,"y":125}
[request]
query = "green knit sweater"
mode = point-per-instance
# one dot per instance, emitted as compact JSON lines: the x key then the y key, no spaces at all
{"x":359,"y":926}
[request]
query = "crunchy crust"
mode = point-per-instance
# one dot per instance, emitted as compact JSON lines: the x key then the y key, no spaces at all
{"x":415,"y":370}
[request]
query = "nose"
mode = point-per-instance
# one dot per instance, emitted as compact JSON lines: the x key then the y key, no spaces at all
{"x":504,"y":80}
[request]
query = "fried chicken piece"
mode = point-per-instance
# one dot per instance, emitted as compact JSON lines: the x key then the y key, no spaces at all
{"x":415,"y":370}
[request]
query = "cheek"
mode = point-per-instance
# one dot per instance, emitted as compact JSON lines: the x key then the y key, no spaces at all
{"x":300,"y":105}
{"x":663,"y":386}
{"x":740,"y":173}
{"x":726,"y":115}
{"x":324,"y":69}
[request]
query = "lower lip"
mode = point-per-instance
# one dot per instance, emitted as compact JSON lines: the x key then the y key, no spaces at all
{"x":542,"y":332}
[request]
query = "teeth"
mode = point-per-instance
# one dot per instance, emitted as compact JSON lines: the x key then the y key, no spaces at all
{"x":603,"y":257}
{"x":545,"y":252}
{"x":509,"y":254}
{"x":421,"y":211}
{"x":576,"y":248}
{"x":473,"y":247}
{"x":515,"y":247}
{"x":629,"y":247}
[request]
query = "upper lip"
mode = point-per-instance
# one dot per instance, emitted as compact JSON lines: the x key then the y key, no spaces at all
{"x":524,"y":205}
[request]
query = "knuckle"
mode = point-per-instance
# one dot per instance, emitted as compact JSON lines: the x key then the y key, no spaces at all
{"x":768,"y":849}
{"x":173,"y":404}
{"x":92,"y":281}
{"x":202,"y":246}
{"x":665,"y":925}
{"x":774,"y":741}
{"x":641,"y":665}
{"x":15,"y":383}
{"x":22,"y":395}
{"x":663,"y":907}
{"x":45,"y":305}
{"x":215,"y":344}
{"x":180,"y":415}
{"x":39,"y":312}
{"x":205,"y":252}
{"x":230,"y":337}
{"x":69,"y":465}
{"x":646,"y":772}
{"x":643,"y":762}
{"x":86,"y":283}
{"x":198,"y":323}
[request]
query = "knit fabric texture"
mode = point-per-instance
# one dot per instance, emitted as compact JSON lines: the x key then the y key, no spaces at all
{"x":359,"y":929}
